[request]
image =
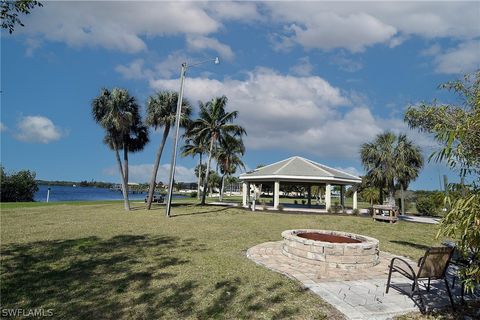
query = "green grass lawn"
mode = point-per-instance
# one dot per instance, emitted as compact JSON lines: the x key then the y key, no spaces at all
{"x":94,"y":260}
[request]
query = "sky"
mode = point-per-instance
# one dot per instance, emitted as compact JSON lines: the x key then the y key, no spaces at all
{"x":313,"y":79}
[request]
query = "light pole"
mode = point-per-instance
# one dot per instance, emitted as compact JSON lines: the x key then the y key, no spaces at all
{"x":185,"y":66}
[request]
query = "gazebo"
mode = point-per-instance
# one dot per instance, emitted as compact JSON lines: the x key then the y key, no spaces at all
{"x":299,"y":171}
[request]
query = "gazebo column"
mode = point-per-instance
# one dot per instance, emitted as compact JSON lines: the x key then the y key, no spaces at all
{"x":309,"y":188}
{"x":328,"y":199}
{"x":245,"y":193}
{"x":342,"y":195}
{"x":355,"y":198}
{"x":276,"y":194}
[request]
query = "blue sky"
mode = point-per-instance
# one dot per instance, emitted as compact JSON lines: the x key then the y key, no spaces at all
{"x":314,"y":79}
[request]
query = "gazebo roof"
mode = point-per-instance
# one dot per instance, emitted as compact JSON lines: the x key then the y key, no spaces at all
{"x":298,"y":169}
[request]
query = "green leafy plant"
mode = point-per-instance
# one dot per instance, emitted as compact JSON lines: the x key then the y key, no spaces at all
{"x":426,"y":206}
{"x":280,"y":207}
{"x":17,"y":187}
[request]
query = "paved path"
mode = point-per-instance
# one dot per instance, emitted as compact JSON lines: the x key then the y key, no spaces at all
{"x":359,"y":294}
{"x":428,"y":220}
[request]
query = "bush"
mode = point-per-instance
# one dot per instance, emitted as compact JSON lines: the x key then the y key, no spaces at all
{"x":304,"y":201}
{"x":193,"y":194}
{"x":295,"y":202}
{"x":356,"y":212}
{"x":280,"y":207}
{"x":17,"y":187}
{"x":426,"y":206}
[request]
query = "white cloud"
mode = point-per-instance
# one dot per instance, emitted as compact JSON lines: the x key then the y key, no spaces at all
{"x":346,"y":64}
{"x":462,"y":59}
{"x":357,"y":25}
{"x":37,"y":129}
{"x":299,"y":114}
{"x":3,"y":127}
{"x":200,"y":43}
{"x":351,"y":170}
{"x":134,"y":70}
{"x":141,"y":173}
{"x":117,"y":25}
{"x":303,"y":67}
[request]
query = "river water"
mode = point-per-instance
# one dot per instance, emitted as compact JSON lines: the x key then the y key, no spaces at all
{"x":70,"y":193}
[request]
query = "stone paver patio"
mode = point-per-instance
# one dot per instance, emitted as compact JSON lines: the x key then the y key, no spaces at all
{"x":359,"y":294}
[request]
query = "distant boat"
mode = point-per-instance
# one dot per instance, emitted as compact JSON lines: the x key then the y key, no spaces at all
{"x":74,"y":185}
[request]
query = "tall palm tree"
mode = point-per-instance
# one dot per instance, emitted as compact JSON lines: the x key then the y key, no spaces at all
{"x":194,"y":146}
{"x":118,"y":113}
{"x":213,"y":125}
{"x":228,"y":156}
{"x":390,"y":159}
{"x":378,"y":160}
{"x":161,"y":112}
{"x":408,"y":163}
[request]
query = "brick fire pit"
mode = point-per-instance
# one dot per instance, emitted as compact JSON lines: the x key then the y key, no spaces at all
{"x":331,"y":249}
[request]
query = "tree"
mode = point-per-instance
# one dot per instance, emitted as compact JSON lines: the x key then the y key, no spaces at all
{"x":378,"y":160}
{"x":228,"y":156}
{"x":195,"y":146}
{"x":213,"y":125}
{"x":457,"y":128}
{"x":408,"y":163}
{"x":119,"y":115}
{"x":391,"y":159}
{"x":370,"y":195}
{"x":17,"y":187}
{"x":161,"y":112}
{"x":11,"y":9}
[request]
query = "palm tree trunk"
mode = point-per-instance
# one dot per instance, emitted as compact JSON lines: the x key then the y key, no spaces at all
{"x":380,"y":195}
{"x":199,"y":176}
{"x":402,"y":199}
{"x":125,"y":163}
{"x":124,"y":184}
{"x":153,"y":183}
{"x":221,"y":188}
{"x":207,"y":173}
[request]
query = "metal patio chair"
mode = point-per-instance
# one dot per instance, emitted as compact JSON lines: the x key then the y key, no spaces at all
{"x":432,"y":266}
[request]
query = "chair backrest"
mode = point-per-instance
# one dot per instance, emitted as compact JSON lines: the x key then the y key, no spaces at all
{"x":435,"y":262}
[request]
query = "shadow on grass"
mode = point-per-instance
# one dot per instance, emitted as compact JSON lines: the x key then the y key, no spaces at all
{"x":410,"y":244}
{"x":213,"y":210}
{"x":131,"y":277}
{"x":91,"y":277}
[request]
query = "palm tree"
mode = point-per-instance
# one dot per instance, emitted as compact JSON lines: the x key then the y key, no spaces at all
{"x":229,"y":158}
{"x":213,"y":125}
{"x":391,"y":159}
{"x":369,"y":194}
{"x":193,"y":146}
{"x":408,"y":162}
{"x":161,"y":112}
{"x":379,"y":161}
{"x":118,"y":113}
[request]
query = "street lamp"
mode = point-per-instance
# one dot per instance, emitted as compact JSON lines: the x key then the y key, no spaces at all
{"x":185,"y":66}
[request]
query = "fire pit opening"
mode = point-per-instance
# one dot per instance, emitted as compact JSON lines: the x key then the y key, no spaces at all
{"x":327,"y":237}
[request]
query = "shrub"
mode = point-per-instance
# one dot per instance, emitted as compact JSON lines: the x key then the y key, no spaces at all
{"x":337,"y":209}
{"x":16,"y":187}
{"x":280,"y":207}
{"x":426,"y":206}
{"x":329,"y":210}
{"x":356,"y":212}
{"x":304,"y":201}
{"x":295,"y":201}
{"x":193,"y":194}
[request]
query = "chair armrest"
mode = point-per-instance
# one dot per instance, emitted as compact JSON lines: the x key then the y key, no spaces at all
{"x":406,"y":272}
{"x":419,"y":262}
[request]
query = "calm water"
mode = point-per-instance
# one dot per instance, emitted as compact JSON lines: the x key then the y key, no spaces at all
{"x":69,"y":193}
